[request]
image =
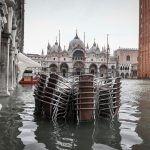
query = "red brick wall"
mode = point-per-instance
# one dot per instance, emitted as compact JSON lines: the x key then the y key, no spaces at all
{"x":144,"y":39}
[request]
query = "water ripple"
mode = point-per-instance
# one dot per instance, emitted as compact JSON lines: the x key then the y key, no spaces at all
{"x":20,"y":129}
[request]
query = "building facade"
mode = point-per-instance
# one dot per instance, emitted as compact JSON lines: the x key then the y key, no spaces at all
{"x":144,"y":39}
{"x":11,"y":42}
{"x":37,"y":58}
{"x":127,"y":62}
{"x":77,"y":59}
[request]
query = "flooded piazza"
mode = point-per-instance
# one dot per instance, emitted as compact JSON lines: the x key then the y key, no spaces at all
{"x":21,"y":129}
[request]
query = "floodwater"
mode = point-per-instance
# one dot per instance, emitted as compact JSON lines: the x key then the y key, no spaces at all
{"x":21,"y":129}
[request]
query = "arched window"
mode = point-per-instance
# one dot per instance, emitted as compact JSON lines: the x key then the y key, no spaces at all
{"x":122,"y":75}
{"x":78,"y":55}
{"x":93,"y":69}
{"x":112,"y":67}
{"x":128,"y":58}
{"x":121,"y":68}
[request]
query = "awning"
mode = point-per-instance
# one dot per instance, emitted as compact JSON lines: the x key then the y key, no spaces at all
{"x":23,"y":63}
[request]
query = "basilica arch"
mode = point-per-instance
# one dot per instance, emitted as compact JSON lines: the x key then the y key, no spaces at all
{"x":78,"y":55}
{"x":93,"y":69}
{"x":78,"y":68}
{"x":64,"y":69}
{"x":122,"y":75}
{"x":53,"y":68}
{"x":103,"y":70}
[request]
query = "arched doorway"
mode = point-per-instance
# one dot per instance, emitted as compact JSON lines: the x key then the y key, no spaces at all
{"x":127,"y":75}
{"x":93,"y":69}
{"x":64,"y":69}
{"x":134,"y":73}
{"x":78,"y":68}
{"x":103,"y":70}
{"x":53,"y":68}
{"x":122,"y":75}
{"x":112,"y":67}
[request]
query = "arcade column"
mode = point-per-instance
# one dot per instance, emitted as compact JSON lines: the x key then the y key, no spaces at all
{"x":4,"y":64}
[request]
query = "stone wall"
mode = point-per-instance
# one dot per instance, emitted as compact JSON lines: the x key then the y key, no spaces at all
{"x":11,"y":39}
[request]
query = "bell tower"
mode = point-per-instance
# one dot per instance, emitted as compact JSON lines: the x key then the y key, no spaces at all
{"x":144,"y":39}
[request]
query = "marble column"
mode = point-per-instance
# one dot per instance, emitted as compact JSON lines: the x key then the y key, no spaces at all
{"x":11,"y":70}
{"x":10,"y":25}
{"x":12,"y":30}
{"x":4,"y":52}
{"x":4,"y":67}
{"x":13,"y":51}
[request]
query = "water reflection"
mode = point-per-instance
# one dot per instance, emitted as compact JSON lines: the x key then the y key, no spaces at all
{"x":143,"y":125}
{"x":10,"y":121}
{"x":28,"y":127}
{"x":108,"y":133}
{"x":129,"y":114}
{"x":62,"y":135}
{"x":20,"y":129}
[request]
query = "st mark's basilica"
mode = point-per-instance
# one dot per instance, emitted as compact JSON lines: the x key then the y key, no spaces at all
{"x":78,"y":59}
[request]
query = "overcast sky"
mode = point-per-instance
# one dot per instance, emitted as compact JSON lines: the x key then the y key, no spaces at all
{"x":97,"y":18}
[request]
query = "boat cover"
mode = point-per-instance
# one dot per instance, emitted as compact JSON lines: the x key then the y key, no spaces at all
{"x":23,"y":63}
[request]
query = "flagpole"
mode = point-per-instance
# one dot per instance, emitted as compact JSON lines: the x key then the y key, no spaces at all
{"x":59,"y":54}
{"x":107,"y":54}
{"x":84,"y":40}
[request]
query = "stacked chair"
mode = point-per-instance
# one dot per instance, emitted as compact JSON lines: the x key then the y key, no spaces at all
{"x":108,"y":97}
{"x":39,"y":93}
{"x":85,"y":97}
{"x":54,"y":97}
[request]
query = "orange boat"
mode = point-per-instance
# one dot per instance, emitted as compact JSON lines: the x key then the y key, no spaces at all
{"x":28,"y":78}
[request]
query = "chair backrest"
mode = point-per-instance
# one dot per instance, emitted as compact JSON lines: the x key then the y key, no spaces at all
{"x":86,"y":103}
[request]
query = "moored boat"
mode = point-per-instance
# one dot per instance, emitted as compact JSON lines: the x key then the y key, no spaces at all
{"x":28,"y":77}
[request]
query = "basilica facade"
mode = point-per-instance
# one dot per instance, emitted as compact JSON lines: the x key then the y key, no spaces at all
{"x":77,"y":59}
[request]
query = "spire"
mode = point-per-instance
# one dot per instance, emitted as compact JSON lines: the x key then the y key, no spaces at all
{"x":48,"y":46}
{"x":59,"y":38}
{"x":56,"y":43}
{"x":94,"y":44}
{"x":97,"y":45}
{"x":76,"y":37}
{"x":84,"y":40}
{"x":42,"y":52}
{"x":107,"y":52}
{"x":108,"y":49}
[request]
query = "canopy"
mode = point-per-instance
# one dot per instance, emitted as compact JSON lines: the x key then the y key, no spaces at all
{"x":23,"y":63}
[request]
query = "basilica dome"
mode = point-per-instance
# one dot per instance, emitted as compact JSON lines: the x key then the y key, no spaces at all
{"x":76,"y":43}
{"x":94,"y":49}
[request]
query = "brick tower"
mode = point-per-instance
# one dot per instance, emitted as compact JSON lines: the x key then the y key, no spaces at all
{"x":144,"y":39}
